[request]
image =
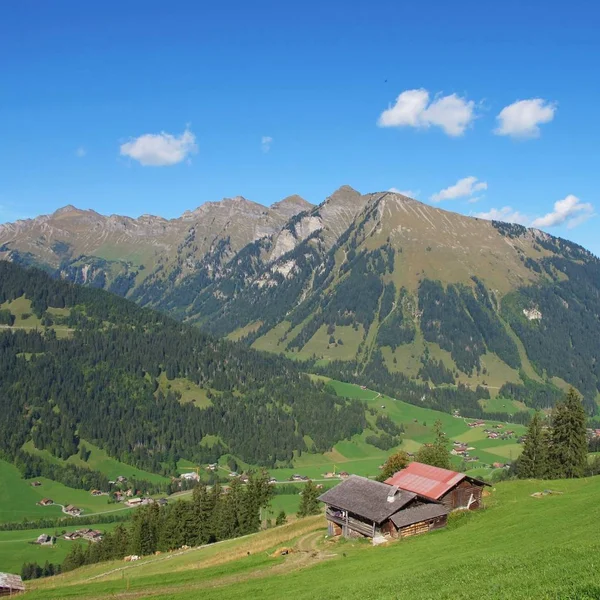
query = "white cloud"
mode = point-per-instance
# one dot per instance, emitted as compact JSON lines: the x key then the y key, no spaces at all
{"x":413,"y":109}
{"x":160,"y":149}
{"x":80,"y":152}
{"x":266,"y":142}
{"x":569,"y":211}
{"x":506,"y":214}
{"x":463,"y":188}
{"x":523,"y":118}
{"x":407,"y":193}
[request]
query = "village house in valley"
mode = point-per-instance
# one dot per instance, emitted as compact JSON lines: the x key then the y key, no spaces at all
{"x":362,"y":507}
{"x":72,"y":510}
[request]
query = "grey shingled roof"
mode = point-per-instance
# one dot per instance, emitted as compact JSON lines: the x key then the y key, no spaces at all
{"x":366,"y":498}
{"x":417,"y":514}
{"x":11,"y":582}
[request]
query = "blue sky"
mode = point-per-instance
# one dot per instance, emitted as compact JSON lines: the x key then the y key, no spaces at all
{"x":85,"y":86}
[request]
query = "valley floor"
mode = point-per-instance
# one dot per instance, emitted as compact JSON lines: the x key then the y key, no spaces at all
{"x":519,"y":547}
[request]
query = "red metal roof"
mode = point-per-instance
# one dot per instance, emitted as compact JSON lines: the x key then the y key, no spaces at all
{"x":430,"y":482}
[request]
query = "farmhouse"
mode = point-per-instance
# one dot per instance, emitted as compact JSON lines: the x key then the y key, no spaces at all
{"x":92,"y":535}
{"x":73,"y":510}
{"x":10,"y":584}
{"x":453,"y":490}
{"x":46,"y":501}
{"x":362,"y":507}
{"x":44,"y":540}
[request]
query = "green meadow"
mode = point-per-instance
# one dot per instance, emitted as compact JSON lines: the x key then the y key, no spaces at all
{"x":16,"y":547}
{"x":517,"y":548}
{"x":357,"y":457}
{"x":18,"y":498}
{"x":99,"y":460}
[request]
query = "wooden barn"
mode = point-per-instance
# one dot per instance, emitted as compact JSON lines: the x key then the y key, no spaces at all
{"x":453,"y":490}
{"x":362,"y":507}
{"x":10,"y":584}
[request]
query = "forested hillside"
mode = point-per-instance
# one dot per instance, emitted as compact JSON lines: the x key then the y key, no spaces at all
{"x":102,"y":380}
{"x":372,"y":288}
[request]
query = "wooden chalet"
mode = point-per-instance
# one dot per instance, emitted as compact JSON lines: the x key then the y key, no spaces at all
{"x":72,"y":510}
{"x":10,"y":584}
{"x":453,"y":490}
{"x":362,"y":507}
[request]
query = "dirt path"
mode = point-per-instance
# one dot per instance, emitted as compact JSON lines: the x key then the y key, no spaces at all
{"x":308,"y":542}
{"x":305,"y":553}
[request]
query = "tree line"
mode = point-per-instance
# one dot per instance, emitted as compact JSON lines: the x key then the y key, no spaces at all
{"x":558,"y":448}
{"x":213,"y":514}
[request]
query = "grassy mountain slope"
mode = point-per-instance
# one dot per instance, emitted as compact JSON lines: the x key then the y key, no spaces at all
{"x":442,"y":298}
{"x":379,"y":281}
{"x":519,"y":547}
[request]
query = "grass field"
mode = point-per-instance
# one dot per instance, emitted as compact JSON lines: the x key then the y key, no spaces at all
{"x":499,"y":404}
{"x":319,"y":343}
{"x":360,"y":458}
{"x":18,"y":498}
{"x":99,"y":460}
{"x":518,"y":548}
{"x":21,"y":307}
{"x":16,"y":549}
{"x":190,"y":392}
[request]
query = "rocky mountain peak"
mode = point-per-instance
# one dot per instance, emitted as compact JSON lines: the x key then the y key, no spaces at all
{"x":290,"y":206}
{"x":70,"y":210}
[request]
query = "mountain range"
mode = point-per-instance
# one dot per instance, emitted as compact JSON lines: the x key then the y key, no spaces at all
{"x":376,"y":285}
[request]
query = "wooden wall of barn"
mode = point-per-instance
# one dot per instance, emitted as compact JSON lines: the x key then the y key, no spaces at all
{"x":417,"y":528}
{"x":458,"y":496}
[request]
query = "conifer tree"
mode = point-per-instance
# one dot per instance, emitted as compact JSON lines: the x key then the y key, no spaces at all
{"x":258,"y":495}
{"x":227,"y":512}
{"x":281,"y":519}
{"x":309,"y":505}
{"x":203,"y":512}
{"x":568,"y":448}
{"x":533,"y":462}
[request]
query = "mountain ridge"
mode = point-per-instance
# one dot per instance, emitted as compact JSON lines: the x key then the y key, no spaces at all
{"x":369,"y":279}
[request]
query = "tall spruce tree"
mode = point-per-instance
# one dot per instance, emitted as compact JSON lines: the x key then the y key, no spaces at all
{"x":309,"y":505}
{"x":203,"y":510}
{"x":533,"y":462}
{"x":568,"y":447}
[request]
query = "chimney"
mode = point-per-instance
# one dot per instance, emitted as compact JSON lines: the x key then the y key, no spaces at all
{"x":392,"y":494}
